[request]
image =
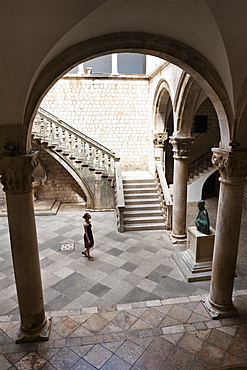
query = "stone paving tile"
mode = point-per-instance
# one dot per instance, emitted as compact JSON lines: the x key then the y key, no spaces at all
{"x":134,"y":257}
{"x":97,"y":356}
{"x":129,"y":347}
{"x":129,"y":352}
{"x":169,"y":313}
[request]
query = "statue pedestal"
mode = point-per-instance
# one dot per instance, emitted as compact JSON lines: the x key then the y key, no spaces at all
{"x":196,"y":261}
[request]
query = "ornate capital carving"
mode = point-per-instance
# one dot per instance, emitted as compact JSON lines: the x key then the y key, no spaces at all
{"x":232,"y":165}
{"x":17,"y":172}
{"x":160,"y":138}
{"x":181,"y":146}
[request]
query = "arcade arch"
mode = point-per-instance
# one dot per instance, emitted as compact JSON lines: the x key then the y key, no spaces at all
{"x":33,"y":320}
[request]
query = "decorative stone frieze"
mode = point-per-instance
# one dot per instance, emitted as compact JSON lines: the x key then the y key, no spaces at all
{"x":17,"y":172}
{"x":160,"y":138}
{"x":181,"y":146}
{"x":232,"y":165}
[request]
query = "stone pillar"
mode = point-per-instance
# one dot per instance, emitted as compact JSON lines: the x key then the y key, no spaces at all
{"x":17,"y":180}
{"x":81,"y":70}
{"x":181,"y":150}
{"x":232,"y":166}
{"x":114,"y":64}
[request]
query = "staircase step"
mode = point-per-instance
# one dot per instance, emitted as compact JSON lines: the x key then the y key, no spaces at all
{"x":143,"y":212}
{"x":144,"y":220}
{"x":142,"y":201}
{"x":142,"y":207}
{"x":143,"y":196}
{"x":138,"y":181}
{"x":139,"y":185}
{"x":139,"y":190}
{"x":150,"y":226}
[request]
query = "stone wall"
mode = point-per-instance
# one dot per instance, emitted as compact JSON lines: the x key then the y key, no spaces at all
{"x":112,"y":111}
{"x":59,"y":185}
{"x":205,"y":141}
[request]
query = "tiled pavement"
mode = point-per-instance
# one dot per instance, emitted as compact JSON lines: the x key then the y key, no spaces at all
{"x":156,"y":335}
{"x":101,"y":314}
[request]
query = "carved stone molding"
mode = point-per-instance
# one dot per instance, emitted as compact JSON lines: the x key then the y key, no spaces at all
{"x":181,"y":146}
{"x":232,"y":165}
{"x":160,"y":138}
{"x":17,"y":172}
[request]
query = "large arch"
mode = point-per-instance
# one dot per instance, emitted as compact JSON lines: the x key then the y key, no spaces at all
{"x":183,"y":56}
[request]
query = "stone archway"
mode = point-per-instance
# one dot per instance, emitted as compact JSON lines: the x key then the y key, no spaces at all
{"x":175,"y":52}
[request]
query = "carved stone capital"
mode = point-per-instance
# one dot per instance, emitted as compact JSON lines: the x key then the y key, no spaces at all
{"x":17,"y":172}
{"x":181,"y":146}
{"x":160,"y":138}
{"x":232,"y":165}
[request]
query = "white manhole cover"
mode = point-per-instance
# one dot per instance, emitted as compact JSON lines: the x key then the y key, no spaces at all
{"x":67,"y":246}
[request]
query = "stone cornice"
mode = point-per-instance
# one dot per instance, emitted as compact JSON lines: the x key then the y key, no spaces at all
{"x":181,"y":146}
{"x":232,"y":165}
{"x":17,"y":172}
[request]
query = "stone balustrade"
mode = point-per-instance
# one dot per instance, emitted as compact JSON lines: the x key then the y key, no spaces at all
{"x":78,"y":148}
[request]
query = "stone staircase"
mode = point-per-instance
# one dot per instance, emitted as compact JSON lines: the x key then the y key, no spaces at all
{"x":200,"y":166}
{"x":90,"y":163}
{"x":142,"y":203}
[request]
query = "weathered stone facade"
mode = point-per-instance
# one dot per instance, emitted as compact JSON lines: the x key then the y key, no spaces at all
{"x":203,"y":142}
{"x":116,"y":112}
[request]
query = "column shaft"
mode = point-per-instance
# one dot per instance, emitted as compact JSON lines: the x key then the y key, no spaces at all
{"x":17,"y":181}
{"x":233,"y":169}
{"x":25,"y":259}
{"x":179,"y":197}
{"x":226,"y":243}
{"x":181,"y":149}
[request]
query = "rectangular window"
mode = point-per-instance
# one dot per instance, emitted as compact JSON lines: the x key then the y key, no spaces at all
{"x":201,"y":124}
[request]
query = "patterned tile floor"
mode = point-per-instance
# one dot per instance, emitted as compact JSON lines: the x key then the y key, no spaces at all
{"x":130,"y":308}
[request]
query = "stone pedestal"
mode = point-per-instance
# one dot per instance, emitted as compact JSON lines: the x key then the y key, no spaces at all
{"x":196,"y":261}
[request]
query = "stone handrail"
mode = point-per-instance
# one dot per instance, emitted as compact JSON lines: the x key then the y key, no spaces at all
{"x":76,"y":146}
{"x":165,"y":195}
{"x":120,"y":204}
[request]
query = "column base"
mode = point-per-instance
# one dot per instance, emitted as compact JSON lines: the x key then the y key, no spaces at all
{"x":178,"y":239}
{"x":41,"y":335}
{"x":217,"y":312}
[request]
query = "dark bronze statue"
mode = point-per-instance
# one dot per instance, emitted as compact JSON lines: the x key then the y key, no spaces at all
{"x":202,"y":220}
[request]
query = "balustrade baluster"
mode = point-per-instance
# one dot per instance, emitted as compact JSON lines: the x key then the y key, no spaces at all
{"x":91,"y":156}
{"x":43,"y":130}
{"x":67,"y":144}
{"x":59,"y":133}
{"x":96,"y":161}
{"x":72,"y":147}
{"x":36,"y":126}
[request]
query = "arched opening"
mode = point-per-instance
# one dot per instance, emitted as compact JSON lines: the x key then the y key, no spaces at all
{"x":87,"y":51}
{"x":169,"y":50}
{"x":211,"y":186}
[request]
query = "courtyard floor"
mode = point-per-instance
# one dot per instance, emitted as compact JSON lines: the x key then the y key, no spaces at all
{"x":131,"y":308}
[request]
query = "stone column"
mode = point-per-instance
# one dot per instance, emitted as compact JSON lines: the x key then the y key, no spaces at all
{"x":114,"y":64}
{"x":181,"y":150}
{"x":81,"y":70}
{"x":17,"y":180}
{"x":232,"y":166}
